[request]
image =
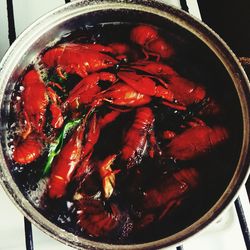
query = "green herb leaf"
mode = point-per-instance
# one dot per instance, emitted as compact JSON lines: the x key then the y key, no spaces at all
{"x":56,"y":146}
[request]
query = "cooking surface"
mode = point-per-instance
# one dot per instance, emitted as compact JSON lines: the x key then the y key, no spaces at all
{"x":216,"y":236}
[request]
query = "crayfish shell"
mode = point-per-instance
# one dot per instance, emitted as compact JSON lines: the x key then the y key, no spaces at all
{"x":96,"y":219}
{"x":27,"y":151}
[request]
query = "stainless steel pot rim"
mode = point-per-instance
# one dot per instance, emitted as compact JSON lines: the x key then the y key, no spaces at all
{"x":201,"y":31}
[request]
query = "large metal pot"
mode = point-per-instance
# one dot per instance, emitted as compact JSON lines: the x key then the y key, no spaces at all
{"x":195,"y":37}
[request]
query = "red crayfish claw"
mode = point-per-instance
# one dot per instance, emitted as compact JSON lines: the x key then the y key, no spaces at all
{"x":87,"y":89}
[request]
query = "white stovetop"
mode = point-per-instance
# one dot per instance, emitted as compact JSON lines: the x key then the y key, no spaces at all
{"x":222,"y":234}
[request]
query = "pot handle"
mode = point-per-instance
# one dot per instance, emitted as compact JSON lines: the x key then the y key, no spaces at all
{"x":245,"y":61}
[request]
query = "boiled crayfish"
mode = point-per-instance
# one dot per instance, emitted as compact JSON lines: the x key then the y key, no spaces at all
{"x":166,"y":195}
{"x":148,"y":37}
{"x":137,"y":138}
{"x":78,"y":59}
{"x":195,"y":141}
{"x":185,"y":91}
{"x":124,"y":134}
{"x":35,"y":99}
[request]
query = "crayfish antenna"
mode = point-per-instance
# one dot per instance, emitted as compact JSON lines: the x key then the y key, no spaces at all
{"x":28,"y":129}
{"x":60,"y":73}
{"x":96,"y":103}
{"x":175,"y":105}
{"x":147,"y":54}
{"x":154,"y":147}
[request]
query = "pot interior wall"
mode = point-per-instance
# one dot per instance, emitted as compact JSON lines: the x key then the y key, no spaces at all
{"x":194,"y":60}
